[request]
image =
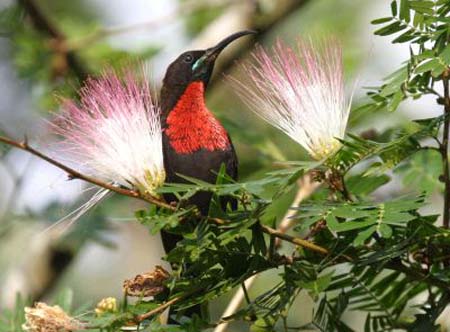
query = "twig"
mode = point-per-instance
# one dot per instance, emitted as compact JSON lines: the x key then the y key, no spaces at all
{"x":417,"y":276}
{"x":444,"y":151}
{"x":245,"y":291}
{"x":295,"y":240}
{"x":77,"y":175}
{"x":161,"y":308}
{"x":139,"y":318}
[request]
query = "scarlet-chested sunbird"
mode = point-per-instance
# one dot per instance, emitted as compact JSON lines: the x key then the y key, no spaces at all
{"x":195,"y":143}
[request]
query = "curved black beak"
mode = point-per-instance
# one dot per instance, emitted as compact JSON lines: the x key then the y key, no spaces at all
{"x":208,"y":59}
{"x":213,"y":52}
{"x":203,"y":67}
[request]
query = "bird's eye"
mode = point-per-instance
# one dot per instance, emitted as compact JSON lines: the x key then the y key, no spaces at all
{"x":188,"y":58}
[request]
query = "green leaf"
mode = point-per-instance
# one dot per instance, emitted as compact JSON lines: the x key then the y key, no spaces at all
{"x":427,"y":66}
{"x":355,"y":149}
{"x":421,"y":6}
{"x":445,"y":55}
{"x":385,"y":231}
{"x":381,"y":20}
{"x":394,"y":8}
{"x":438,"y":70}
{"x":418,"y":20}
{"x":364,"y":235}
{"x":404,"y":37}
{"x":421,"y":171}
{"x":404,"y":10}
{"x":338,"y":227}
{"x":362,"y":185}
{"x":317,"y":286}
{"x":395,"y":81}
{"x":395,"y":101}
{"x":390,"y":29}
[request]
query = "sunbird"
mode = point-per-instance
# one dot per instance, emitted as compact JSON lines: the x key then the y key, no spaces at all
{"x":195,"y":143}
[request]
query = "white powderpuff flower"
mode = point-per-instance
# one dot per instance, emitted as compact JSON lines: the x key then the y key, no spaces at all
{"x":114,"y":132}
{"x":301,"y":93}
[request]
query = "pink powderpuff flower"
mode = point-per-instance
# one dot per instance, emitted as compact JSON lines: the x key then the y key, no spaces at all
{"x":114,"y":132}
{"x":301,"y":93}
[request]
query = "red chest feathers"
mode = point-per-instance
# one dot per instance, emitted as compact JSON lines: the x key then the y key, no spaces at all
{"x":191,"y":126}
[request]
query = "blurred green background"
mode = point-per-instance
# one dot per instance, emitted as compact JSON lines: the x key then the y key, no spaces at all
{"x":48,"y":54}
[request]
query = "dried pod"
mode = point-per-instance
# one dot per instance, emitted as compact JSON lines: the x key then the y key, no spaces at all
{"x":45,"y":318}
{"x":147,"y":284}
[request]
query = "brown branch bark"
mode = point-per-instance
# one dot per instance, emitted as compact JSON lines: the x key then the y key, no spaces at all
{"x":74,"y":174}
{"x":295,"y":240}
{"x":159,"y":309}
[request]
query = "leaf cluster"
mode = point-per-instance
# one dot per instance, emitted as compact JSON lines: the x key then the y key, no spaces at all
{"x":382,"y":255}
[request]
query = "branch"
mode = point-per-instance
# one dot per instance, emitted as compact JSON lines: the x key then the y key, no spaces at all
{"x":73,"y":174}
{"x":417,"y":276}
{"x":281,"y":235}
{"x":161,"y":308}
{"x":295,"y":240}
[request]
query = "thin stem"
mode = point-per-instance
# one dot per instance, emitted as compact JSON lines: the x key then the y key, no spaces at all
{"x":164,"y":306}
{"x":159,"y":309}
{"x":444,"y":152}
{"x":417,"y":275}
{"x":343,"y":188}
{"x":244,"y":289}
{"x":336,"y":183}
{"x":295,"y":240}
{"x":73,"y":174}
{"x":345,"y":192}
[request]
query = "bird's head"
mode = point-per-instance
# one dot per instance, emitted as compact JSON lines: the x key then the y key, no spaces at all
{"x":193,"y":66}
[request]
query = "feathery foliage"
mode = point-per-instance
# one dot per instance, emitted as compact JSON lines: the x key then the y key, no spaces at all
{"x":383,"y":257}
